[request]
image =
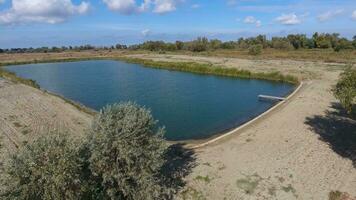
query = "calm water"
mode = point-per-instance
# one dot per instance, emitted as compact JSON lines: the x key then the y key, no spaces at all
{"x":190,"y":106}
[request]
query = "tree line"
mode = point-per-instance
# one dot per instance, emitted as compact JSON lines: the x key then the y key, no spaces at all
{"x":289,"y":42}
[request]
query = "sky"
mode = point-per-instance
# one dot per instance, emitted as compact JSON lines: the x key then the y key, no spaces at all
{"x":36,"y":23}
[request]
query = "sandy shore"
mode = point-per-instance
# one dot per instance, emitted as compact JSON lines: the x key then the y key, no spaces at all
{"x":287,"y":155}
{"x":26,"y":111}
{"x":284,"y":155}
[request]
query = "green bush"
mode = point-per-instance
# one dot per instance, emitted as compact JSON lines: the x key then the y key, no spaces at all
{"x":345,"y":89}
{"x":255,"y":49}
{"x":121,"y":158}
{"x":127,"y":152}
{"x":48,"y":168}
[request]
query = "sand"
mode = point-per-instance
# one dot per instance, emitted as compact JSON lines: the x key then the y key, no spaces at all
{"x":286,"y":155}
{"x":283,"y":155}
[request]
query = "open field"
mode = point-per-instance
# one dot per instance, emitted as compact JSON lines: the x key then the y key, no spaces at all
{"x":320,"y":55}
{"x":300,"y":151}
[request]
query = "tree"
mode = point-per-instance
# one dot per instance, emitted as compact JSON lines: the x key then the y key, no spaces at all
{"x":127,"y":152}
{"x":215,"y":44}
{"x":345,"y":89}
{"x":343,"y":43}
{"x":200,"y":44}
{"x":255,"y":49}
{"x":179,"y":45}
{"x":281,"y":43}
{"x":48,"y":168}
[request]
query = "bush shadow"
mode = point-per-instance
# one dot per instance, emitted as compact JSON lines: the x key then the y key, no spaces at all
{"x":337,"y":129}
{"x":180,"y":162}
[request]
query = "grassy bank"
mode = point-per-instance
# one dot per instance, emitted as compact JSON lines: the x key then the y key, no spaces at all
{"x":192,"y":67}
{"x":14,"y":78}
{"x":212,"y":70}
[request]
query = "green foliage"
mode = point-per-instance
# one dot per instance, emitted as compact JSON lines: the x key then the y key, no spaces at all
{"x":343,"y":43}
{"x":198,"y":45}
{"x":255,"y":49}
{"x":345,"y":89}
{"x":127,"y":152}
{"x":211,"y":69}
{"x":281,"y":43}
{"x":121,"y":158}
{"x":48,"y":168}
{"x":12,"y":76}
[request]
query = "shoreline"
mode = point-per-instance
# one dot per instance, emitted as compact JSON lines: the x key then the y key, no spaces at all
{"x":284,"y":151}
{"x":189,"y":67}
{"x":191,"y":143}
{"x":200,"y":143}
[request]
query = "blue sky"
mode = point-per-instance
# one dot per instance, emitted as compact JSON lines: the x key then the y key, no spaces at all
{"x":25,"y":23}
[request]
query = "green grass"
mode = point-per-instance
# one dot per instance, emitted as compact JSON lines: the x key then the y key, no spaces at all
{"x":192,"y":67}
{"x":210,"y":69}
{"x":249,"y":184}
{"x":14,"y":78}
{"x":205,"y":179}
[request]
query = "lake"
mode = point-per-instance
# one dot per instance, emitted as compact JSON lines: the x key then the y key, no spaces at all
{"x":190,"y":106}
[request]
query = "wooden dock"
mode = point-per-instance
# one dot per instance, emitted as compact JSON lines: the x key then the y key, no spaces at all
{"x":270,"y":98}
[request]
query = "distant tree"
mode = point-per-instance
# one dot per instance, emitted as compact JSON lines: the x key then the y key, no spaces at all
{"x":298,"y":40}
{"x":228,"y":45}
{"x":345,"y":89}
{"x":255,"y":49}
{"x":343,"y":43}
{"x":354,"y":41}
{"x":200,"y":44}
{"x":179,"y":45}
{"x":215,"y":44}
{"x":281,"y":43}
{"x":127,"y":153}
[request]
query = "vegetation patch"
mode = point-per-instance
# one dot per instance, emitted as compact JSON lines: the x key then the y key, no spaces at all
{"x":249,"y":184}
{"x":289,"y":188}
{"x":192,"y":194}
{"x":210,"y":69}
{"x":345,"y":90}
{"x":14,"y":78}
{"x":205,"y":179}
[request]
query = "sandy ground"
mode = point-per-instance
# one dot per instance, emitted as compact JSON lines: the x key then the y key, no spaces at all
{"x":284,"y":156}
{"x":26,"y":112}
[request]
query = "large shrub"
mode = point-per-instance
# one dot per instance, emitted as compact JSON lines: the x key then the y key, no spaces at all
{"x":48,"y":168}
{"x":127,"y":152}
{"x":255,"y":49}
{"x":345,"y":89}
{"x":121,"y":158}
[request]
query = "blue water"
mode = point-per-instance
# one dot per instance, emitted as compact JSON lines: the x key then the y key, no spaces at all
{"x":190,"y":106}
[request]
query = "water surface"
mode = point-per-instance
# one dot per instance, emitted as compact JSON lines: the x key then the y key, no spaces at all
{"x":190,"y":106}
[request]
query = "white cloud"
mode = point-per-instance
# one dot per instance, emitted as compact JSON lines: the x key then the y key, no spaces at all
{"x":258,"y":23}
{"x":145,"y":32}
{"x":128,"y":7}
{"x":41,"y":11}
{"x":164,"y":6}
{"x":252,"y":20}
{"x":329,"y":15}
{"x":289,"y":19}
{"x":121,"y":6}
{"x":353,"y":16}
{"x":195,"y":6}
{"x":249,"y":20}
